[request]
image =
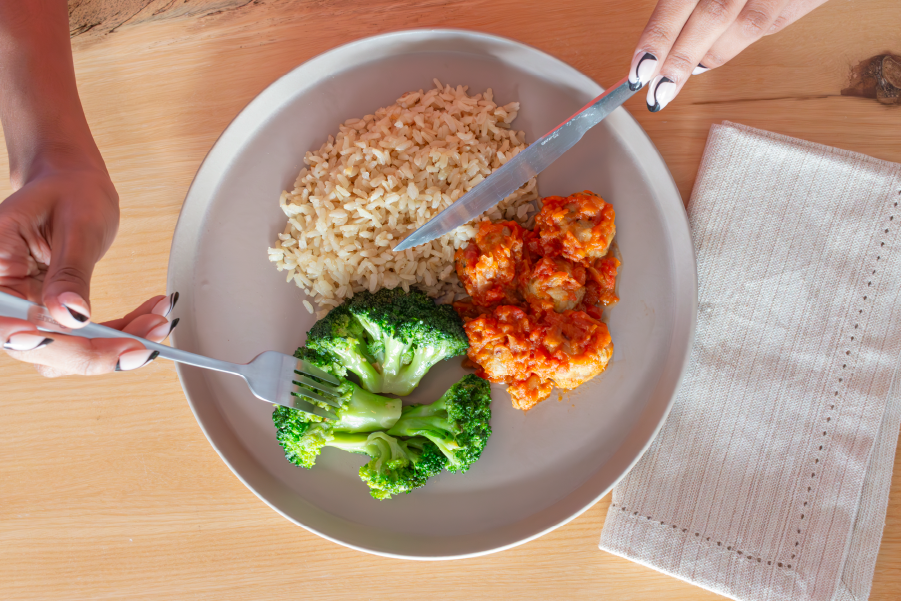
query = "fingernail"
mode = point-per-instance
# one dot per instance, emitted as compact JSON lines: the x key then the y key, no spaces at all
{"x":700,"y":69}
{"x":643,"y":66}
{"x":162,"y":331}
{"x":76,"y":306}
{"x":135,"y":359}
{"x":164,"y":306}
{"x":26,"y":342}
{"x":660,"y":92}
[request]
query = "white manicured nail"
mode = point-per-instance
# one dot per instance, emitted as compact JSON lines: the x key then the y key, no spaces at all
{"x":162,"y":331}
{"x":135,"y":359}
{"x":164,"y":306}
{"x":76,"y":306}
{"x":700,"y":69}
{"x":643,"y":66}
{"x":26,"y":342}
{"x":660,"y":92}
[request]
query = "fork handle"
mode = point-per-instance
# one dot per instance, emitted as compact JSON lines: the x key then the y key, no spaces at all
{"x":18,"y":308}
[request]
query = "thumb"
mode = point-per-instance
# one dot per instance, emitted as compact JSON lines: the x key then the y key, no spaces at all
{"x":67,"y":285}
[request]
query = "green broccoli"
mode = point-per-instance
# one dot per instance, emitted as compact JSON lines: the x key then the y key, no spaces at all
{"x":457,"y":422}
{"x":396,"y":466}
{"x":340,"y":337}
{"x":302,"y":435}
{"x":399,"y":466}
{"x":407,"y":334}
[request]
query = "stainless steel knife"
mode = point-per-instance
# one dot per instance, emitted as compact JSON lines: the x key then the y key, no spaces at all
{"x":521,"y":168}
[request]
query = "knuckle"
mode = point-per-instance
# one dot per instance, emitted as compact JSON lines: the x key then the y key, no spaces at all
{"x":713,"y":60}
{"x":71,"y":274}
{"x":678,"y":64}
{"x":718,"y":11}
{"x":94,"y":363}
{"x":658,"y":36}
{"x":754,"y":22}
{"x":777,"y":25}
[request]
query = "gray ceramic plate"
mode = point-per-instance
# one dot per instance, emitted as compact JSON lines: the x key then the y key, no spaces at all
{"x":540,"y":469}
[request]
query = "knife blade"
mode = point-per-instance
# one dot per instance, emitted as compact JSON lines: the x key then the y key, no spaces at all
{"x":521,"y":168}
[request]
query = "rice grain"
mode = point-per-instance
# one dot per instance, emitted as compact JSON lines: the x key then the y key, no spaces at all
{"x":382,"y":177}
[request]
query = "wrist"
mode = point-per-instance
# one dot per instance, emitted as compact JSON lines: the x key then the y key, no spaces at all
{"x":53,"y":155}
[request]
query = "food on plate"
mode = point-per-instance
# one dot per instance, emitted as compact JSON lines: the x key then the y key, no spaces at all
{"x":533,"y":351}
{"x":554,"y":284}
{"x":600,"y":289}
{"x":303,"y":435}
{"x":579,"y":227}
{"x":406,"y":447}
{"x":538,"y":324}
{"x":399,"y":466}
{"x":383,"y":176}
{"x":488,"y":265}
{"x":457,"y":423}
{"x":389,"y":339}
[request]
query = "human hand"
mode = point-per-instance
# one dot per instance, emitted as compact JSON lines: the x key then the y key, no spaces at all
{"x":690,"y":37}
{"x":52,"y":232}
{"x":64,"y":212}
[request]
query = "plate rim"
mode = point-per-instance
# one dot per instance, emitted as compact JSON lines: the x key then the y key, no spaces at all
{"x":665,"y":186}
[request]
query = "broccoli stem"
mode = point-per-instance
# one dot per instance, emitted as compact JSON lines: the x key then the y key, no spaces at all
{"x":355,"y":443}
{"x":393,"y":362}
{"x":406,"y":379}
{"x":367,"y":412}
{"x":358,"y":364}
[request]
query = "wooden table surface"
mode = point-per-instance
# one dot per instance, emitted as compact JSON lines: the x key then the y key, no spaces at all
{"x":108,"y":488}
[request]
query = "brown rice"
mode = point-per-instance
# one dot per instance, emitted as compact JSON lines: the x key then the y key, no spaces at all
{"x":381,"y":178}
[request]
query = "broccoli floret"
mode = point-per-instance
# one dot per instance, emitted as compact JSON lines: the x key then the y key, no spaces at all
{"x":396,"y":466}
{"x":457,"y":422}
{"x":340,"y":335}
{"x":399,"y":466}
{"x":408,"y":334}
{"x":302,"y":435}
{"x":303,"y":440}
{"x":361,"y":410}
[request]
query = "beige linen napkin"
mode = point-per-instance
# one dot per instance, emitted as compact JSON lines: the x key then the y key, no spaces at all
{"x":770,"y":478}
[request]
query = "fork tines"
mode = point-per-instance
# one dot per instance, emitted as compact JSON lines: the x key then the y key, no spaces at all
{"x":322,"y":387}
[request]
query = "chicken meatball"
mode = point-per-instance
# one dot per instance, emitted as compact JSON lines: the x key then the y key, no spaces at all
{"x":554,"y":284}
{"x":578,"y":227}
{"x":532,"y":352}
{"x":487,"y":266}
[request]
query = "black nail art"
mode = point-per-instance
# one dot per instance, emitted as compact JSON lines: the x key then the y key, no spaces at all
{"x":656,"y":107}
{"x":43,"y":343}
{"x":174,"y":300}
{"x":638,"y":85}
{"x":153,"y":356}
{"x":701,"y":65}
{"x":76,"y":315}
{"x":174,"y":323}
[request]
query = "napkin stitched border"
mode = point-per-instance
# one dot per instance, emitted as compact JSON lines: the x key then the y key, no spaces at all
{"x":844,"y":372}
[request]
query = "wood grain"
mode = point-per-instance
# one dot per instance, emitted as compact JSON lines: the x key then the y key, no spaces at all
{"x":100,"y":17}
{"x":108,"y":488}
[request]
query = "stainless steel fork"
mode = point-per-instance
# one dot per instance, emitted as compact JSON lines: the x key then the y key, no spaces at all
{"x":273,"y":377}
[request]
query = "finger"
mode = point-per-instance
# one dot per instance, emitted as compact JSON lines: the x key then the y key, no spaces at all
{"x":77,"y":246}
{"x":794,"y":11}
{"x":752,"y":23}
{"x":145,"y":308}
{"x":72,"y":355}
{"x":155,"y":328}
{"x":20,"y":335}
{"x":657,"y":38}
{"x":707,"y":23}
